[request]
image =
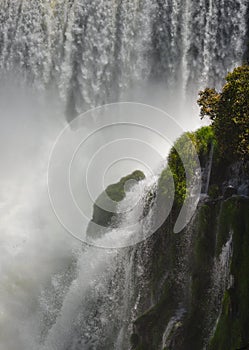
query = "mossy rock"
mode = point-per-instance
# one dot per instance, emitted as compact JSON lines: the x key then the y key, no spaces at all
{"x":185,"y":150}
{"x":214,"y":191}
{"x":105,"y":207}
{"x":233,"y":325}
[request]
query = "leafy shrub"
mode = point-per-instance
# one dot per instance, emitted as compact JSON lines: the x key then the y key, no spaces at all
{"x":229,"y":113}
{"x":185,"y":148}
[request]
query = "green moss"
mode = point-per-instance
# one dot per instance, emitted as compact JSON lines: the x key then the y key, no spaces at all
{"x":227,"y":216}
{"x":232,"y":328}
{"x":104,"y":209}
{"x":212,"y":226}
{"x":152,"y":323}
{"x":222,"y":330}
{"x":214,"y":191}
{"x":141,"y":347}
{"x":184,"y":151}
{"x":203,"y":252}
{"x":134,"y":340}
{"x":116,"y":192}
{"x":204,"y":247}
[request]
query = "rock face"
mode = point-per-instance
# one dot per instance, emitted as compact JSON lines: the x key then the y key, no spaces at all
{"x":190,"y":290}
{"x":200,"y":282}
{"x":229,"y":191}
{"x":199,"y":278}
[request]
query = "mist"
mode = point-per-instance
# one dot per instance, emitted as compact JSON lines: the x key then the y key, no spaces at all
{"x":34,"y":244}
{"x":144,"y":62}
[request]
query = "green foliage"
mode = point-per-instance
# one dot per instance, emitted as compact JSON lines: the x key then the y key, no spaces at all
{"x":229,"y":113}
{"x":105,"y":206}
{"x":185,"y":148}
{"x":202,"y":139}
{"x":116,"y":192}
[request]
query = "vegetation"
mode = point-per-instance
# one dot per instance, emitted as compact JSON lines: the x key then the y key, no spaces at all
{"x":197,"y":250}
{"x":229,"y":113}
{"x":185,"y":148}
{"x":104,"y":209}
{"x":232,"y":328}
{"x":116,"y":192}
{"x":228,"y":132}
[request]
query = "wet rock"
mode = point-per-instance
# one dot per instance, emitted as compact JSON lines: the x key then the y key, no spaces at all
{"x":243,"y":189}
{"x":229,"y":191}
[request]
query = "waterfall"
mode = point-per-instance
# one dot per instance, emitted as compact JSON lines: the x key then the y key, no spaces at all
{"x":93,"y":52}
{"x":105,"y":289}
{"x":73,"y":55}
{"x":221,"y":280}
{"x":206,"y":172}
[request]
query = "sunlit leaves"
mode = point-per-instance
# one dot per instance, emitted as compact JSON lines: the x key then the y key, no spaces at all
{"x":229,"y":112}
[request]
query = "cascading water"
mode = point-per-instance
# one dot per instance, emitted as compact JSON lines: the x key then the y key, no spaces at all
{"x":105,"y":287}
{"x":221,"y":281}
{"x":88,"y":49}
{"x":93,"y":51}
{"x":88,"y":53}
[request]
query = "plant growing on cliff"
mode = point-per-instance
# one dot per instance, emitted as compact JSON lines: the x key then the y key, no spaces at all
{"x":229,"y":113}
{"x":104,"y":209}
{"x":185,"y":148}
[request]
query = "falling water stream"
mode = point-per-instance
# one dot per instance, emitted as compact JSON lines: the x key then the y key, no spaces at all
{"x":59,"y":58}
